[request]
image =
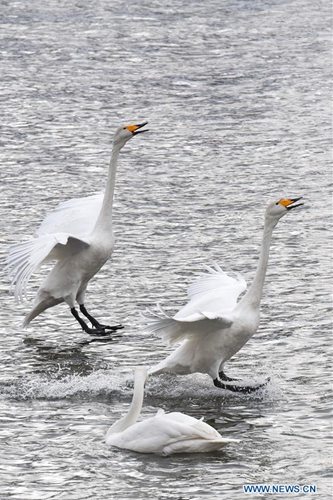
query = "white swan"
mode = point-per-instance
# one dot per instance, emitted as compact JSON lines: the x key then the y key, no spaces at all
{"x":213,"y":326}
{"x":165,"y":433}
{"x":78,"y":235}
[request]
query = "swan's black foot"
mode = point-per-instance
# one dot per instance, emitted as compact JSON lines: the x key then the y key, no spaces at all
{"x":225,"y":378}
{"x":97,"y":330}
{"x":97,"y":324}
{"x":113,"y":328}
{"x":245,"y":389}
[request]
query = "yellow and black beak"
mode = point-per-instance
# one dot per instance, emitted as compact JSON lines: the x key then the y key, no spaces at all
{"x":289,"y":203}
{"x":135,"y":128}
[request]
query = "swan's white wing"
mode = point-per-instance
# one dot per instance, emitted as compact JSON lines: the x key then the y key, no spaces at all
{"x":172,"y":330}
{"x":77,"y":217}
{"x":25,"y":258}
{"x":198,"y":426}
{"x":195,"y":426}
{"x":216,"y":280}
{"x":194,"y":436}
{"x":213,"y":295}
{"x":179,"y":426}
{"x":61,"y":233}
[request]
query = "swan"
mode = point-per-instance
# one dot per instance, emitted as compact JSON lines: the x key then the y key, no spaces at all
{"x":214,"y":325}
{"x":165,"y":433}
{"x":78,"y":235}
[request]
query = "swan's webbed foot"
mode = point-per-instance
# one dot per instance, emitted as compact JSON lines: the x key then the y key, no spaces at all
{"x":245,"y":389}
{"x":98,"y":330}
{"x":225,"y":378}
{"x":113,"y":328}
{"x":98,"y":326}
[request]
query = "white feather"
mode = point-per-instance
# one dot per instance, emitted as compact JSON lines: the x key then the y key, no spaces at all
{"x":77,"y":216}
{"x":26,"y":258}
{"x":165,"y":433}
{"x":214,"y":294}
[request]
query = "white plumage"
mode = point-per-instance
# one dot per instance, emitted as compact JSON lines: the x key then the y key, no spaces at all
{"x":78,"y":235}
{"x":165,"y":433}
{"x":214,"y":325}
{"x":77,"y":217}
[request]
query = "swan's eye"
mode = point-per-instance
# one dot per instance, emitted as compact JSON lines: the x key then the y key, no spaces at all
{"x":277,"y":203}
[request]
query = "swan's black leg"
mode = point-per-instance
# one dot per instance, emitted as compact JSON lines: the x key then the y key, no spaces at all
{"x":238,"y":388}
{"x":225,"y":378}
{"x":96,"y":323}
{"x":85,"y":327}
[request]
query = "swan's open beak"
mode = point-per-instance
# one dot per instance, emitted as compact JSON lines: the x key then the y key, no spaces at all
{"x":135,"y":128}
{"x":290,"y":203}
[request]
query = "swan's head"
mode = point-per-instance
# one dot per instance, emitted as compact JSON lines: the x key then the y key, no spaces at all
{"x":277,"y":209}
{"x":124,"y":134}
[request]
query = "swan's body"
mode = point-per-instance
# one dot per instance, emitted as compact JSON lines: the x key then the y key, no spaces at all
{"x":165,"y":433}
{"x":214,"y":325}
{"x":78,"y":235}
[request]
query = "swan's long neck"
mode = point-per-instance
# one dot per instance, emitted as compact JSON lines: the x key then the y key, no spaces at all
{"x":135,"y":409}
{"x":104,"y":220}
{"x":253,"y":296}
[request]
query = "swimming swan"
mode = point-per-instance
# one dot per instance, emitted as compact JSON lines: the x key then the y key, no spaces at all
{"x":78,"y":235}
{"x":165,"y":433}
{"x":213,"y":325}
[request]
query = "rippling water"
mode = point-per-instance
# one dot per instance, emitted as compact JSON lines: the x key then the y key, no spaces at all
{"x":238,"y":103}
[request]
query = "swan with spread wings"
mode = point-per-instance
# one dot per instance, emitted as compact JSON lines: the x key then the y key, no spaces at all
{"x":78,"y":235}
{"x":215,"y":325}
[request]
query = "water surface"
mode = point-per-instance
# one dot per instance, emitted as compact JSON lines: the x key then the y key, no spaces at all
{"x":238,"y":102}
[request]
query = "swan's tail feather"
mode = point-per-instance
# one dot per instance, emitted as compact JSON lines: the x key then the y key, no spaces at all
{"x":196,"y":445}
{"x":39,"y":308}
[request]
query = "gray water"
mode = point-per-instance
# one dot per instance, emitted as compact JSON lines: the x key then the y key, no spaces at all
{"x":237,"y":94}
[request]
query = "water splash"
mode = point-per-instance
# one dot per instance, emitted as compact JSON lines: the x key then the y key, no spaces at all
{"x":106,"y":383}
{"x":62,"y":387}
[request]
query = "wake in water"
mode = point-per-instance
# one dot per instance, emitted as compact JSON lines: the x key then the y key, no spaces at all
{"x":106,"y":383}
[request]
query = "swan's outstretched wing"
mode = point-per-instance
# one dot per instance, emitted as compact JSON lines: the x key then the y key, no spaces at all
{"x":25,"y":258}
{"x":76,"y":217}
{"x":213,"y":295}
{"x":172,"y":330}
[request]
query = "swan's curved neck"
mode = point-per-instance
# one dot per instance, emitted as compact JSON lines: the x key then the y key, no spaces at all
{"x":135,"y":409}
{"x":104,"y":220}
{"x":253,"y":296}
